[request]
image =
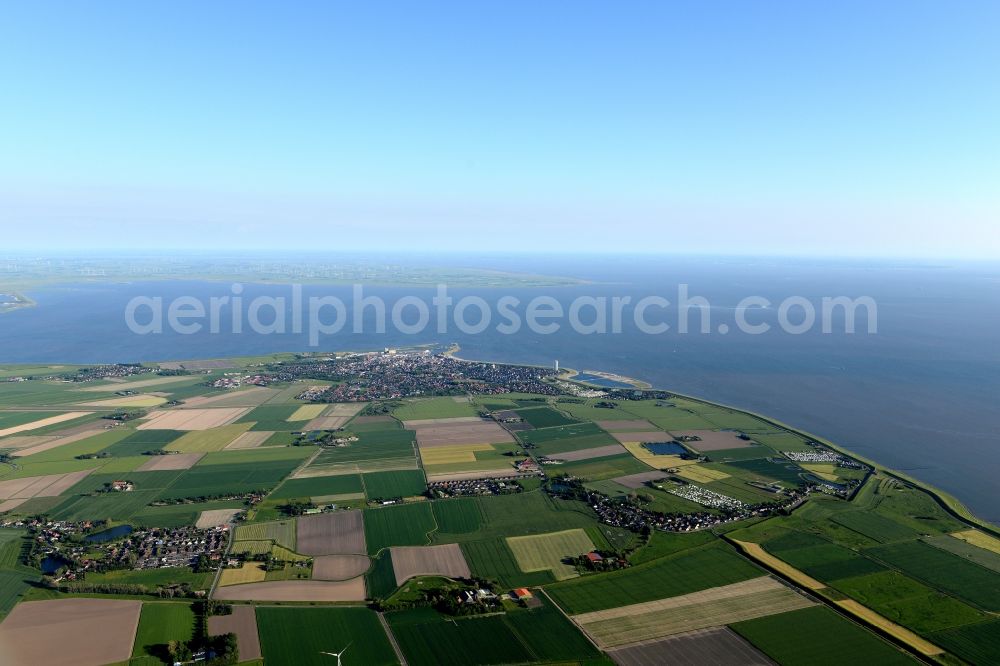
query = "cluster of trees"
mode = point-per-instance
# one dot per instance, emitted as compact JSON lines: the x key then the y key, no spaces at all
{"x":248,"y":498}
{"x":452,"y":599}
{"x":380,"y":408}
{"x":210,"y":650}
{"x":295,"y":508}
{"x":123,"y":415}
{"x":272,"y":563}
{"x":609,"y":562}
{"x":180,"y":591}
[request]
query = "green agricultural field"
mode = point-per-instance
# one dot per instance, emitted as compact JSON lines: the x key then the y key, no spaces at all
{"x":12,"y":419}
{"x":94,"y":444}
{"x":564,"y":444}
{"x":105,"y":506}
{"x":458,"y":516}
{"x":492,"y":559}
{"x":259,"y":455}
{"x":401,"y":525}
{"x":916,"y":509}
{"x":381,"y":577}
{"x":689,"y":571}
{"x":272,"y":417}
{"x":817,"y":637}
{"x":544,"y":417}
{"x":549,"y":635}
{"x":787,"y":472}
{"x":530,"y":513}
{"x":610,"y":467}
{"x":160,"y":623}
{"x":782,"y":441}
{"x":36,"y":506}
{"x":232,"y":479}
{"x":203,"y":441}
{"x":829,"y":561}
{"x":374,"y":450}
{"x":967,"y":551}
{"x":11,"y":544}
{"x":36,"y":394}
{"x":907,"y":602}
{"x":725,"y":419}
{"x":27,"y":468}
{"x":156,"y":480}
{"x":944,"y":571}
{"x":743,"y":453}
{"x":14,"y":583}
{"x":546,"y":552}
{"x":318,"y":486}
{"x":430,"y":639}
{"x":662,"y":544}
{"x":15,"y":579}
{"x":400,"y":483}
{"x":298,"y":636}
{"x":668,"y":417}
{"x":434,"y":408}
{"x":141,"y":441}
{"x":976,"y":643}
{"x":540,"y":437}
{"x":874,"y":526}
{"x":178,"y":515}
{"x":152,"y":577}
{"x":281,"y":532}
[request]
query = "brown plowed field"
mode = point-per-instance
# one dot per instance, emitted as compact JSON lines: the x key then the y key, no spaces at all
{"x":243,"y":623}
{"x":410,"y":561}
{"x":171,"y":462}
{"x":295,"y":590}
{"x":339,"y":567}
{"x":192,"y":419}
{"x":69,"y":632}
{"x":337,"y":533}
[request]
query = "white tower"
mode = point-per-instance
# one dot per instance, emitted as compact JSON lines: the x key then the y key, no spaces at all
{"x":557,"y":365}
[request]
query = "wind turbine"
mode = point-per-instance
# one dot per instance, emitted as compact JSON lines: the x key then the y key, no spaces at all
{"x":337,"y":654}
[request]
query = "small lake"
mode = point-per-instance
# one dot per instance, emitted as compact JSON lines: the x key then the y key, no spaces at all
{"x":665,"y":448}
{"x":116,"y":532}
{"x":600,"y":381}
{"x":51,"y":563}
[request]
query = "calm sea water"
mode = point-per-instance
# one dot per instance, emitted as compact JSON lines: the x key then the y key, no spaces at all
{"x":920,"y":395}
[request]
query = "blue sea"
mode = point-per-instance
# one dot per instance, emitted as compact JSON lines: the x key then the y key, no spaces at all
{"x":919,"y":395}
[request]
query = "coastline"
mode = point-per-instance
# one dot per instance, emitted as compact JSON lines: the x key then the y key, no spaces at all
{"x":20,"y":302}
{"x":946,"y":500}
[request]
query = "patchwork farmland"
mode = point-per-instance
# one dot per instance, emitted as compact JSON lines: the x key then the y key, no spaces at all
{"x":326,"y":506}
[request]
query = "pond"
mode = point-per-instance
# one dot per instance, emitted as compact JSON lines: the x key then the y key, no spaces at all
{"x":597,"y":380}
{"x":51,"y":563}
{"x":116,"y":532}
{"x":664,"y":448}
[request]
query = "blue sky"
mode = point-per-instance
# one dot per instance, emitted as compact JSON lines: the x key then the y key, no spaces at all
{"x":843,"y":128}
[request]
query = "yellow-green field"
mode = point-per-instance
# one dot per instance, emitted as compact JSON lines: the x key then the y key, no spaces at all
{"x":307,"y":412}
{"x":203,"y":441}
{"x":542,"y":552}
{"x":250,"y":572}
{"x":701,"y":474}
{"x":980,"y":539}
{"x":465,"y":458}
{"x":643,"y":455}
{"x":714,"y":607}
{"x":129,"y":401}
